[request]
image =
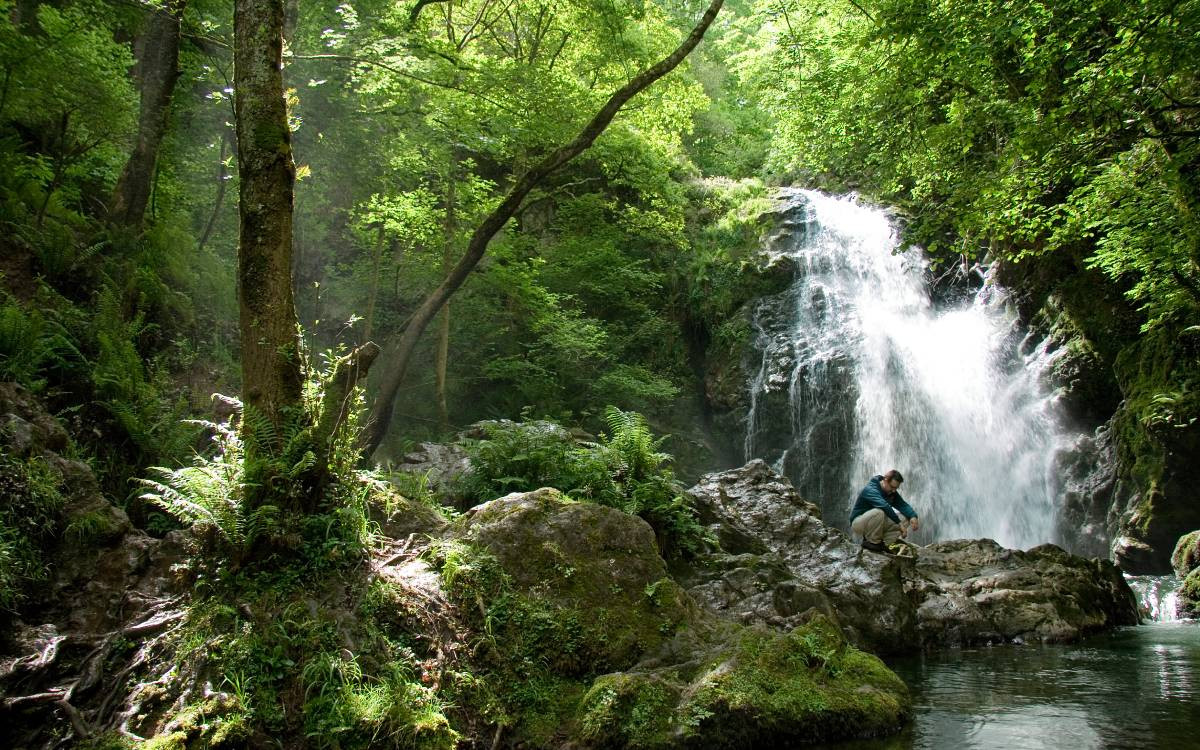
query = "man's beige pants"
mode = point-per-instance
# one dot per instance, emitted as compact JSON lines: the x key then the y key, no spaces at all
{"x":875,"y":526}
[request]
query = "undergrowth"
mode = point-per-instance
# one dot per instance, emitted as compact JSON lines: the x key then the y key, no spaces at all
{"x":302,"y":645}
{"x":624,"y":469}
{"x":279,"y":504}
{"x":530,"y":667}
{"x":30,"y":519}
{"x":98,"y":321}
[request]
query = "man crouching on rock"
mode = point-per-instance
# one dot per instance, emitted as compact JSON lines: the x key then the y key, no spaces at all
{"x":874,"y":515}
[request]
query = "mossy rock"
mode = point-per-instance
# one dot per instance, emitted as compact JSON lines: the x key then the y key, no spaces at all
{"x":585,"y":641}
{"x":1186,"y":557}
{"x":1157,"y":433}
{"x":591,"y":576}
{"x":217,"y":723}
{"x":1189,"y":596}
{"x":761,"y":689}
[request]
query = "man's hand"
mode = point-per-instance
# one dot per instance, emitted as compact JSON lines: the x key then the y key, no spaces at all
{"x":904,"y":524}
{"x":913,"y":524}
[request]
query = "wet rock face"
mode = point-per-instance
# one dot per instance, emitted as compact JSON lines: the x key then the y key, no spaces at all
{"x":781,"y":562}
{"x":1090,"y":486}
{"x":1147,"y":521}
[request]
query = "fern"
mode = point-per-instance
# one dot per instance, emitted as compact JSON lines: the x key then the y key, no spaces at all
{"x":632,"y":446}
{"x":30,"y":345}
{"x":259,"y":475}
{"x":210,"y":492}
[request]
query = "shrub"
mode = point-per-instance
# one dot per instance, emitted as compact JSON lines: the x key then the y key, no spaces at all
{"x":625,"y":470}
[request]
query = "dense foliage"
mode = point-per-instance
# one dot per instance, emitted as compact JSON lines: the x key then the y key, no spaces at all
{"x":1015,"y":129}
{"x":624,"y":469}
{"x":406,"y":129}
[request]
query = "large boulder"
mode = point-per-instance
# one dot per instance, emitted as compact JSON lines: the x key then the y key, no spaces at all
{"x":600,"y":647}
{"x":779,"y":562}
{"x":590,"y":564}
{"x":1186,"y":562}
{"x":974,"y":591}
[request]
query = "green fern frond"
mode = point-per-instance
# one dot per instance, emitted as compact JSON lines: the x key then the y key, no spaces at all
{"x":175,"y":502}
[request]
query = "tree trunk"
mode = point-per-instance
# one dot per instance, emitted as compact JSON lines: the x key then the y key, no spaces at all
{"x":272,"y":372}
{"x":442,"y":358}
{"x":157,"y":71}
{"x":373,"y":286}
{"x":381,"y":414}
{"x":222,"y":182}
{"x":291,"y":17}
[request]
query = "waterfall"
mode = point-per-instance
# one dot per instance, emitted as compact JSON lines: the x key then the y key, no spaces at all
{"x":859,"y":372}
{"x":1158,"y":596}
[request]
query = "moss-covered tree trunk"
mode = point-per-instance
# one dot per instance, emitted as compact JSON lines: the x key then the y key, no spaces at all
{"x":272,"y":374}
{"x":157,"y":71}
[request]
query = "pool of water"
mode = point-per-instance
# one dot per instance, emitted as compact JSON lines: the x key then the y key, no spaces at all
{"x":1136,"y":687}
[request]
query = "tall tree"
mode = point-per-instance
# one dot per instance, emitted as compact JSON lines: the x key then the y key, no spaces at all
{"x":157,"y":52}
{"x":381,"y":413}
{"x":272,"y":371}
{"x":442,"y":355}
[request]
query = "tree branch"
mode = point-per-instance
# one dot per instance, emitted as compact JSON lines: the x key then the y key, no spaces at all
{"x":405,"y":74}
{"x":416,"y":11}
{"x":381,"y":414}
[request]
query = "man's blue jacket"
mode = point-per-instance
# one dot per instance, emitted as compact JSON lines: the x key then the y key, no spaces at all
{"x":872,"y":497}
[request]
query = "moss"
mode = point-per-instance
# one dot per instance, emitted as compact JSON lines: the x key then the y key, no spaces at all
{"x":108,"y":741}
{"x":214,"y":724}
{"x":344,"y":709}
{"x":31,"y":504}
{"x":1189,"y":595}
{"x":331,"y":666}
{"x":548,"y":633}
{"x":1162,"y":391}
{"x":634,"y":710}
{"x":803,"y":686}
{"x":1186,"y":556}
{"x":90,"y":527}
{"x":1157,"y":434}
{"x":580,"y":596}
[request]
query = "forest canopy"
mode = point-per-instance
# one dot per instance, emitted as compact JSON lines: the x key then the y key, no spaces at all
{"x":1000,"y":130}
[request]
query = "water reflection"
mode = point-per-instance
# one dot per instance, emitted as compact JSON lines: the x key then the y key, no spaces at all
{"x":1132,"y":688}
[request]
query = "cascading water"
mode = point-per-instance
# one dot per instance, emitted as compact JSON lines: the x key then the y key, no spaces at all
{"x":1158,"y":596}
{"x":860,"y":372}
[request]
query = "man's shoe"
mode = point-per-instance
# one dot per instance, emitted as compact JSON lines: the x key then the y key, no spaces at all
{"x":874,"y":546}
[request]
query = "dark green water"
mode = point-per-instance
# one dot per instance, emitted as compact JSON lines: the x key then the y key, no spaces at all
{"x":1136,"y":687}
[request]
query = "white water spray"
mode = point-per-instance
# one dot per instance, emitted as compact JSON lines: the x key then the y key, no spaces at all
{"x":873,"y":376}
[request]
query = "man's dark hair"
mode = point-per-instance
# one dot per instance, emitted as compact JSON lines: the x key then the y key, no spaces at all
{"x":893,"y":474}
